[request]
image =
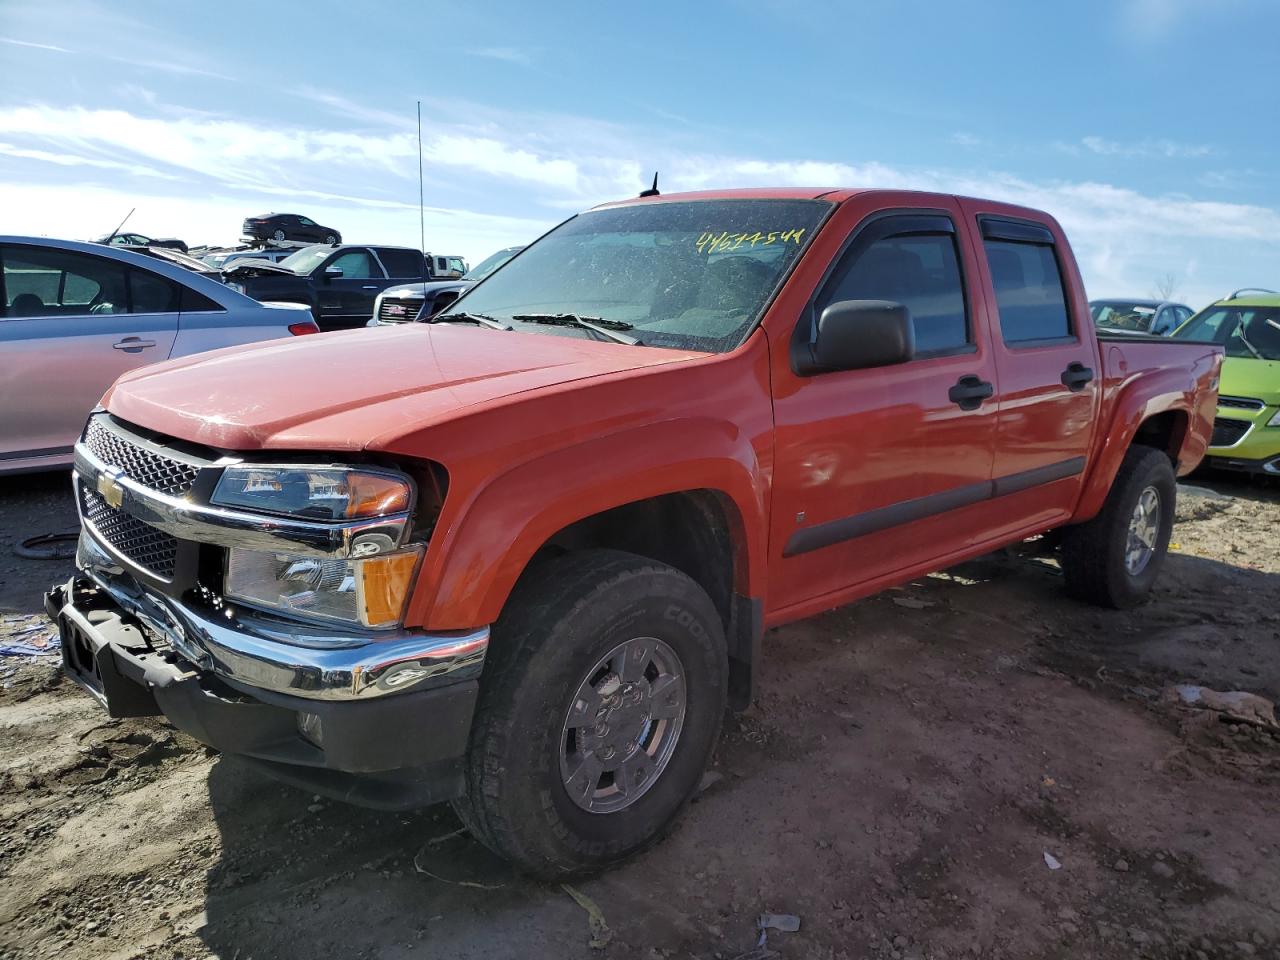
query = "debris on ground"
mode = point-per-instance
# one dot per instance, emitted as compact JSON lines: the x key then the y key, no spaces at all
{"x":600,"y":932}
{"x":1237,"y":704}
{"x":48,"y":546}
{"x":786,"y":922}
{"x":1052,"y":862}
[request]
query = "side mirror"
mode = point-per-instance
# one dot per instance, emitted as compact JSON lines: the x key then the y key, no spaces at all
{"x":856,"y":334}
{"x":333,"y":273}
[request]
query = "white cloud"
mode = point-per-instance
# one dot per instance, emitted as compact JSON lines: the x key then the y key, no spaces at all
{"x":538,"y":166}
{"x":36,"y":46}
{"x":965,"y":139}
{"x":1145,"y":148}
{"x":507,"y":54}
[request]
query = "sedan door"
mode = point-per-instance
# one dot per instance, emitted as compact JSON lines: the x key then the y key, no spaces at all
{"x":67,"y":332}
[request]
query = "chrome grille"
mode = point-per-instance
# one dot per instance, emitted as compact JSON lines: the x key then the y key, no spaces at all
{"x":147,"y":467}
{"x":149,"y":548}
{"x":391,"y":310}
{"x":1241,"y":403}
{"x":1228,"y":432}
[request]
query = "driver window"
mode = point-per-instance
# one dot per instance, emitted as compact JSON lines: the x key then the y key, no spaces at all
{"x":356,"y":265}
{"x":41,"y":282}
{"x":920,"y":271}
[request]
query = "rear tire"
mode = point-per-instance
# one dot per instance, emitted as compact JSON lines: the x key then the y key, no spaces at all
{"x":278,"y":235}
{"x":528,"y":798}
{"x":1113,"y":560}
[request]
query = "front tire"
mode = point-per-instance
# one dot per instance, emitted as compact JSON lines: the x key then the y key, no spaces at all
{"x":601,"y":703}
{"x":1113,"y":560}
{"x":331,"y":240}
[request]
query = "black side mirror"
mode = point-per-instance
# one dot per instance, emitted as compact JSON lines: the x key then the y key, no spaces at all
{"x":856,"y":334}
{"x":333,"y":273}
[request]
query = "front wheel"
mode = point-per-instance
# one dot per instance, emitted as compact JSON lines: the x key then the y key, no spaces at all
{"x":330,"y":239}
{"x":1113,"y":560}
{"x":600,"y":706}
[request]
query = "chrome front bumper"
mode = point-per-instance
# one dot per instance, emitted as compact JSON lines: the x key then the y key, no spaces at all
{"x":277,"y":656}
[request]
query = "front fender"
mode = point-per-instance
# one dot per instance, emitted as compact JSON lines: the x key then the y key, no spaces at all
{"x":484,"y":543}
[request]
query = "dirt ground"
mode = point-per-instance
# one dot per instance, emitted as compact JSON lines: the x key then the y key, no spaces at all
{"x":915,"y":764}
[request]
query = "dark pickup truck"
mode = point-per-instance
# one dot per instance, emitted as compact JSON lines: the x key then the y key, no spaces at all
{"x":338,"y":283}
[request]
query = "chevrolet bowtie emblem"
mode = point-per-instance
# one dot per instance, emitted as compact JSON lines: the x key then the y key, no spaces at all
{"x":109,"y":487}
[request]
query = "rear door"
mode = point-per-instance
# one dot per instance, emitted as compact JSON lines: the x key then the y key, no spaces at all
{"x":1046,"y":358}
{"x":347,"y":300}
{"x":72,"y":323}
{"x":881,"y":469}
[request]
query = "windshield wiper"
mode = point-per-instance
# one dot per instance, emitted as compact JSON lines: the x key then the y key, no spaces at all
{"x":479,"y":318}
{"x":1245,"y":341}
{"x":608,"y":328}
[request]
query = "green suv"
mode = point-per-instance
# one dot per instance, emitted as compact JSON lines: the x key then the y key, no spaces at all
{"x":1246,"y":431}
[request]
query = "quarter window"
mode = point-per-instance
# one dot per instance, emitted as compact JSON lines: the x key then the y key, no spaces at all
{"x":149,"y":293}
{"x":920,"y":271}
{"x":1029,"y":294}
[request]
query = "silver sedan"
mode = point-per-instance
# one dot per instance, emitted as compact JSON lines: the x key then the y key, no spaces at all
{"x":75,"y":316}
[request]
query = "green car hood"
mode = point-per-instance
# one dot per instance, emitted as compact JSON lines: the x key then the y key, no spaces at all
{"x":1247,"y":377}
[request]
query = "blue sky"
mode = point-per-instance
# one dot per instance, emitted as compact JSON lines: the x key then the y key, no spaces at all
{"x":1148,"y":127}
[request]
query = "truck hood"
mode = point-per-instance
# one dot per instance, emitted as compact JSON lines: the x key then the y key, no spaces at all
{"x":418,"y":291}
{"x":358,"y":389}
{"x":1250,"y":377}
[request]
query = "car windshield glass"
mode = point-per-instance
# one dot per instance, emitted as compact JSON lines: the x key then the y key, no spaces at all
{"x":692,"y":274}
{"x":490,"y":264}
{"x":306,"y":259}
{"x":1122,"y":315}
{"x":1250,"y":332}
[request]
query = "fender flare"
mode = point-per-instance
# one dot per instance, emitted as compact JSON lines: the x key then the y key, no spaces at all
{"x":1136,"y":402}
{"x":486,"y":538}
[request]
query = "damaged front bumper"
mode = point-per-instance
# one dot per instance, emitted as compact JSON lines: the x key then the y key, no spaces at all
{"x":380,"y":718}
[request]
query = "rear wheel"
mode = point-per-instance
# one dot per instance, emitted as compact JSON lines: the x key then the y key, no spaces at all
{"x":1113,"y":560}
{"x":601,"y":704}
{"x":278,"y":235}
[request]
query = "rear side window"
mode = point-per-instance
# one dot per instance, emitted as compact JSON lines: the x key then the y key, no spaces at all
{"x":42,"y":282}
{"x":193,"y":302}
{"x":149,"y":293}
{"x":920,"y":271}
{"x":1029,"y":294}
{"x":401,"y":264}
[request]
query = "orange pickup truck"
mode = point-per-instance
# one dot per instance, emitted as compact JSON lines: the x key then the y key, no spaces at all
{"x":521,"y":557}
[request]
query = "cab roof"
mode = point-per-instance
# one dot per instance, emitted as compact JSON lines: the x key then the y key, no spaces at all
{"x":1252,"y":300}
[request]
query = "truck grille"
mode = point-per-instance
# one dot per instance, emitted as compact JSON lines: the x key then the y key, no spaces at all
{"x":1241,"y":403}
{"x":398,"y":311}
{"x":144,"y":466}
{"x":1227,"y":433}
{"x":152,"y":549}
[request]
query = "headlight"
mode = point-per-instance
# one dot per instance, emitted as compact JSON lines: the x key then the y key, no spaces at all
{"x":316,"y":493}
{"x":366,"y":591}
{"x":1275,"y":420}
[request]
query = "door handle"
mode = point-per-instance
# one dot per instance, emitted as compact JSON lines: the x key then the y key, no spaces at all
{"x":371,"y":286}
{"x":133,"y":344}
{"x":969,"y":392}
{"x":1076,"y":376}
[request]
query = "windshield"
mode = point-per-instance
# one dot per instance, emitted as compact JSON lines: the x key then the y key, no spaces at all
{"x":307,"y":259}
{"x":490,"y":264}
{"x":1122,"y":315}
{"x":692,"y":274}
{"x":1251,"y":332}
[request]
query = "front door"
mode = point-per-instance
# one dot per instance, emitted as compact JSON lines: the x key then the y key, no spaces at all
{"x":878,"y":470}
{"x":67,"y":332}
{"x":347,"y":300}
